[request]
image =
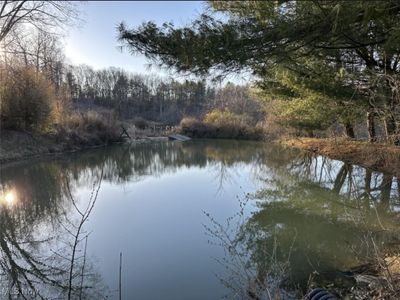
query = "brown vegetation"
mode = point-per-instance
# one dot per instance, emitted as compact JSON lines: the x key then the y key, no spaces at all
{"x":27,"y":100}
{"x":35,"y":117}
{"x":222,"y":124}
{"x":377,"y":278}
{"x":90,"y":128}
{"x":79,"y":131}
{"x":380,"y":157}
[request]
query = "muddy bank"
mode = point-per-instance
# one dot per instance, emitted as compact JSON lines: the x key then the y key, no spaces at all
{"x":379,"y":157}
{"x":17,"y":145}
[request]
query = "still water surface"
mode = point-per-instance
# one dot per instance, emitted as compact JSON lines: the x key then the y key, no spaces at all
{"x":194,"y":220}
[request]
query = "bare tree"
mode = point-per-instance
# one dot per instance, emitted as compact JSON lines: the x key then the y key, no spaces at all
{"x":43,"y":15}
{"x":78,"y":231}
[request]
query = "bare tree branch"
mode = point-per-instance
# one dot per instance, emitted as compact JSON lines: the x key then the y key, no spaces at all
{"x":43,"y":15}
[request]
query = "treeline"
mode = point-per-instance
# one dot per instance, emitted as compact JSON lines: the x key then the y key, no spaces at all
{"x":156,"y":98}
{"x":318,"y":63}
{"x":131,"y":95}
{"x":41,"y":91}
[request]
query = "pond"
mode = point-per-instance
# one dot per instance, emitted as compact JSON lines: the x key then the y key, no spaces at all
{"x":201,"y":219}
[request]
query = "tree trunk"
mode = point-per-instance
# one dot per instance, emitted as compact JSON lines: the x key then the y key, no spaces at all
{"x":386,"y":188}
{"x":349,"y":130}
{"x":390,"y":127}
{"x":367,"y":193}
{"x":340,"y":178}
{"x":368,"y":176}
{"x":398,"y":186}
{"x":371,"y":126}
{"x":390,"y":120}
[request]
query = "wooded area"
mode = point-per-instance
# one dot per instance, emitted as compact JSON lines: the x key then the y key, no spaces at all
{"x":319,"y":69}
{"x":40,"y":88}
{"x":156,"y":98}
{"x":317,"y":62}
{"x":323,"y":76}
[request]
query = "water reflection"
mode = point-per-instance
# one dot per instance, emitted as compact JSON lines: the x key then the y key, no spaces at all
{"x":307,"y":215}
{"x":9,"y":197}
{"x":39,"y":218}
{"x":37,"y":231}
{"x":314,"y":216}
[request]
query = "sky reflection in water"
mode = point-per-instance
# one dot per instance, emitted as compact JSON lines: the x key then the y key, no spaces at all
{"x":153,"y":205}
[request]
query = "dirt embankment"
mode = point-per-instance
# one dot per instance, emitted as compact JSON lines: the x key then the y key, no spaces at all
{"x":379,"y":157}
{"x":17,"y":145}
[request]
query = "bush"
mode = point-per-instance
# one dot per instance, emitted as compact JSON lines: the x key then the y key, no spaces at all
{"x":194,"y":128}
{"x":227,"y":124}
{"x":190,"y":122}
{"x":140,"y":123}
{"x":221,"y":124}
{"x":27,"y":100}
{"x":90,"y":128}
{"x":225,"y":118}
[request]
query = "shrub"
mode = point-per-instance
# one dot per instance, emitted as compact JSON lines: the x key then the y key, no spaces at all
{"x":140,"y":123}
{"x":189,"y":122}
{"x":225,"y":118}
{"x":27,"y":100}
{"x":90,"y":128}
{"x":221,"y":124}
{"x":230,"y":125}
{"x":194,"y":128}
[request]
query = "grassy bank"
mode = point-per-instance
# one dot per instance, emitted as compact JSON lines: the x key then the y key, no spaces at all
{"x":379,"y":157}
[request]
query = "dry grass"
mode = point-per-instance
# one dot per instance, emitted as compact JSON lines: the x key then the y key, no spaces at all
{"x":219,"y":127}
{"x":379,"y":278}
{"x":78,"y":131}
{"x":90,"y":128}
{"x":377,"y":156}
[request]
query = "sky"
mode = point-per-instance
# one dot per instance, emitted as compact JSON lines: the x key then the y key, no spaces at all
{"x":94,"y":42}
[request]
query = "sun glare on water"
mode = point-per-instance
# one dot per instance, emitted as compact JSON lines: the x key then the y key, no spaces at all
{"x":9,"y":197}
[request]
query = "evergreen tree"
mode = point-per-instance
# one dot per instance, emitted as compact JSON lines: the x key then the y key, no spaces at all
{"x":339,"y":50}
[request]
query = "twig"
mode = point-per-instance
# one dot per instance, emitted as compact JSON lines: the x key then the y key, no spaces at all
{"x":83,"y":267}
{"x":120,"y":276}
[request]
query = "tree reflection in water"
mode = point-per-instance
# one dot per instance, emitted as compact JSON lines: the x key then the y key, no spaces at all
{"x":40,"y":242}
{"x":250,"y":277}
{"x":314,"y":216}
{"x":308,"y":216}
{"x":38,"y":229}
